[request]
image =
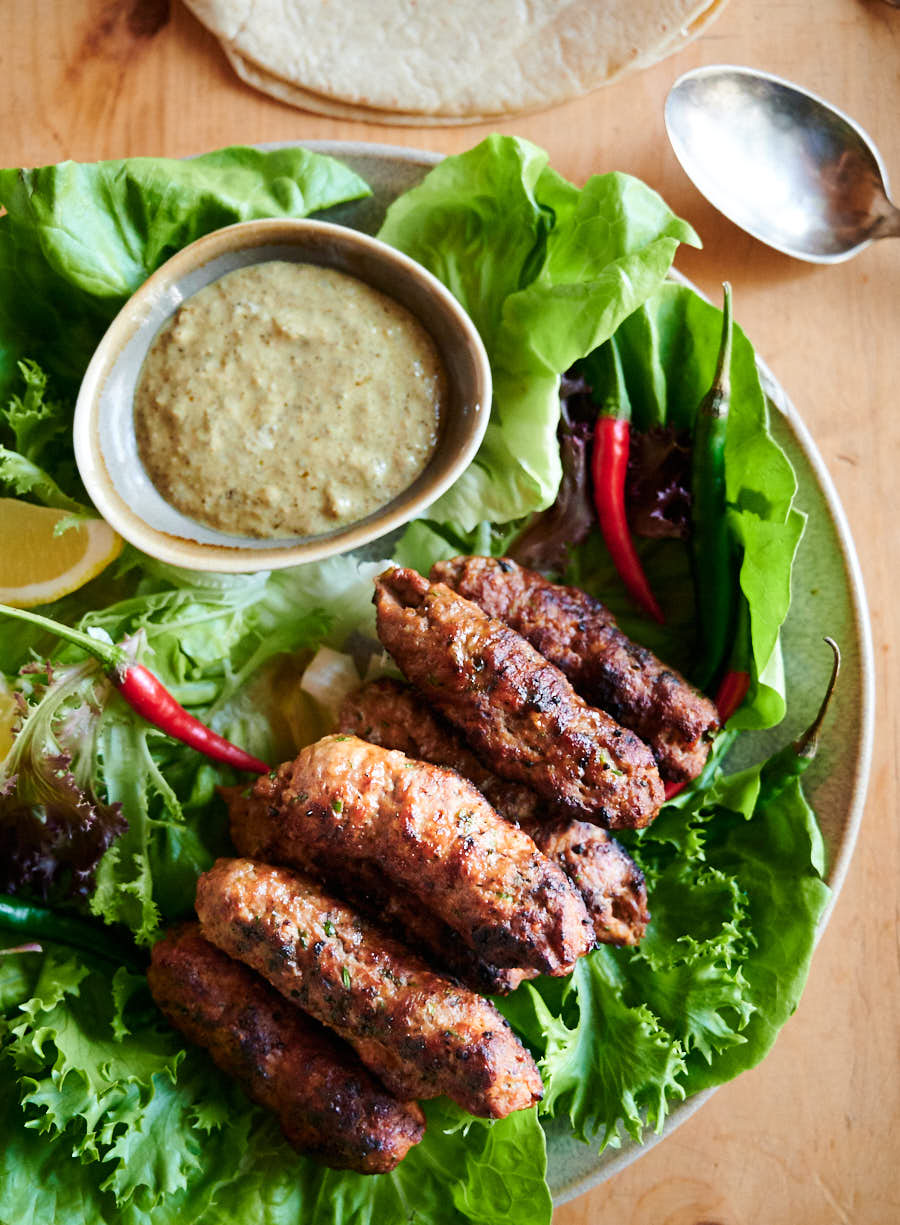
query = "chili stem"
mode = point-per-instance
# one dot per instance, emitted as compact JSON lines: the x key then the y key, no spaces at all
{"x":795,"y":758}
{"x":792,"y":760}
{"x":108,"y":654}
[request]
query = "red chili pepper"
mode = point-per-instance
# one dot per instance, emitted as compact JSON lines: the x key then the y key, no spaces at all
{"x":147,"y":695}
{"x":731,"y":692}
{"x":612,"y":442}
{"x":794,"y":758}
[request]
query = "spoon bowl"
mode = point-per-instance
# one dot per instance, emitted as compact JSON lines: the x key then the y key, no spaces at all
{"x":781,"y":163}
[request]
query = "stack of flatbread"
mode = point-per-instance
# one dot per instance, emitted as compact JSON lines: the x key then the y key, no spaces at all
{"x":444,"y":61}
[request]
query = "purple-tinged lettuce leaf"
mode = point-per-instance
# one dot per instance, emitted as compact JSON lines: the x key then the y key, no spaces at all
{"x":54,"y":830}
{"x":551,"y":534}
{"x":658,"y":484}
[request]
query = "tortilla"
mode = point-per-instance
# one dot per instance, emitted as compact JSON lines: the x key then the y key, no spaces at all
{"x":437,"y":62}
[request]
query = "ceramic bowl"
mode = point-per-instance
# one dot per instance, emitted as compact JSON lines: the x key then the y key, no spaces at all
{"x":105,"y":442}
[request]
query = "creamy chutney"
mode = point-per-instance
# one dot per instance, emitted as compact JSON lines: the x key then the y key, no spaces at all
{"x":287,"y":399}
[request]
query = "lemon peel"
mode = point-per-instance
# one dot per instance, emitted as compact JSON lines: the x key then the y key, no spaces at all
{"x":39,"y":563}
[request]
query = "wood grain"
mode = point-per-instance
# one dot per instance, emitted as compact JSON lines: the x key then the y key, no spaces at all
{"x":810,"y":1136}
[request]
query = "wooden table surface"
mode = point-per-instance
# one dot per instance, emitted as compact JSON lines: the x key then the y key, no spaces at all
{"x":810,"y":1137}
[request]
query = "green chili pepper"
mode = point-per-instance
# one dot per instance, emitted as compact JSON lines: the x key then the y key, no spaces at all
{"x":713,"y":554}
{"x":795,"y":758}
{"x":41,"y":923}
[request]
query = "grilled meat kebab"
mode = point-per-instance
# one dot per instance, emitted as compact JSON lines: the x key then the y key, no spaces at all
{"x":421,"y":1034}
{"x":344,"y":801}
{"x":365,"y":887}
{"x":517,"y":711}
{"x":392,"y":714}
{"x":610,"y":882}
{"x":579,"y":635}
{"x":329,"y":1105}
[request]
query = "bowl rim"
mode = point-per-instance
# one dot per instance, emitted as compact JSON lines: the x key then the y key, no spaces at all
{"x":227,"y":558}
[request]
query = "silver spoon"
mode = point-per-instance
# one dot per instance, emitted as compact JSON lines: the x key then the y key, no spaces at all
{"x":781,"y":163}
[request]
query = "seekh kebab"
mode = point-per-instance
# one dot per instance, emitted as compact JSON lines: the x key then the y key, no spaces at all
{"x":419,"y":1033}
{"x":516,"y":710}
{"x":363,"y":885}
{"x":580,"y":636}
{"x":329,"y":1105}
{"x":345,"y":801}
{"x":393,"y":715}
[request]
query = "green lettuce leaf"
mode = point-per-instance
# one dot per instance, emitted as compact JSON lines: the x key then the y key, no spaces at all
{"x":78,"y":239}
{"x":547,"y":273}
{"x":689,"y":974}
{"x":36,"y":445}
{"x":616,"y":1066}
{"x":777,"y":860}
{"x":464,"y":1170}
{"x":18,"y":974}
{"x":132,"y":1119}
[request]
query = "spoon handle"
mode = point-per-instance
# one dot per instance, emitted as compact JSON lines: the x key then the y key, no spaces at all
{"x":888,"y":224}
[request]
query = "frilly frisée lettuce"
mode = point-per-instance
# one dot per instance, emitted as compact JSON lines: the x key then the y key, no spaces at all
{"x":106,"y":1115}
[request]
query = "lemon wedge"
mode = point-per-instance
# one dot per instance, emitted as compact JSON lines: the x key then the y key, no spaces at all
{"x":37,"y":566}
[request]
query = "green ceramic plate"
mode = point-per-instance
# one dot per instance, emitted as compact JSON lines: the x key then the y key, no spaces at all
{"x":828,"y":598}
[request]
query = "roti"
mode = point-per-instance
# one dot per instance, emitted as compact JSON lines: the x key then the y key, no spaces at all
{"x":433,"y":61}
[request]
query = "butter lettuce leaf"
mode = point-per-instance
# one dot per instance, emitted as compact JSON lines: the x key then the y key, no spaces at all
{"x":669,"y":347}
{"x":78,"y":239}
{"x":547,"y":272}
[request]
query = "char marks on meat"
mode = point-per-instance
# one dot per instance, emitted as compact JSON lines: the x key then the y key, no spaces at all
{"x":419,"y":1033}
{"x":392,"y":714}
{"x":609,"y":881}
{"x":517,"y":711}
{"x":580,"y":636}
{"x":329,"y":1105}
{"x":344,"y":801}
{"x":367,"y":889}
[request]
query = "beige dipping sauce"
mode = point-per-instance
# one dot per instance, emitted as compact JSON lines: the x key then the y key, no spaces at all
{"x":287,"y":399}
